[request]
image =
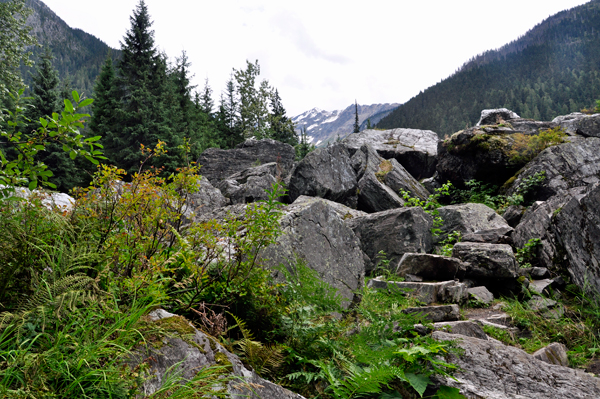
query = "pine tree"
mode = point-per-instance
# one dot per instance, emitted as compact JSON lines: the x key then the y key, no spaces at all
{"x":45,"y":100}
{"x":148,"y":109}
{"x":281,"y":126}
{"x":253,"y":102}
{"x":356,"y":124}
{"x":206,"y":101}
{"x":105,"y":102}
{"x":227,"y":119}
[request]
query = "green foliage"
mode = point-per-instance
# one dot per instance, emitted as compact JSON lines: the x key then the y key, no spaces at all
{"x":528,"y":254}
{"x":527,"y":147}
{"x":430,"y":205}
{"x":304,"y":146}
{"x":448,"y":243}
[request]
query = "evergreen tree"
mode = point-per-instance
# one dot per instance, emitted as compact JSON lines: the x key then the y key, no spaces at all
{"x":253,"y":101}
{"x":227,"y":119}
{"x":105,"y":102}
{"x":356,"y":124}
{"x":304,"y":146}
{"x":147,"y":100}
{"x":46,"y":100}
{"x":281,"y":126}
{"x":206,"y":102}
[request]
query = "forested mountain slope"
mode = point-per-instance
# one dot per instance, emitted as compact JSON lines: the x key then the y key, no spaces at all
{"x":552,"y":70}
{"x":78,"y":56}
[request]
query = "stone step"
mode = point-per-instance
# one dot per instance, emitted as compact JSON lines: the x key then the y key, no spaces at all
{"x":436,"y":313}
{"x":426,"y":292}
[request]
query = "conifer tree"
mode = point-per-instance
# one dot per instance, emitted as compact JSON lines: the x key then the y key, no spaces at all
{"x":206,"y":101}
{"x":356,"y":124}
{"x":281,"y":126}
{"x":227,"y":119}
{"x":105,"y":102}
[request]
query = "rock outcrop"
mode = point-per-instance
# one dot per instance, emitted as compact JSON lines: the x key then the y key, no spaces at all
{"x":217,"y":164}
{"x":325,"y":173}
{"x":416,"y":150}
{"x":251,"y":184}
{"x":491,"y":370}
{"x":189,"y":351}
{"x":579,"y":124}
{"x":471,"y":218}
{"x":394,"y":232}
{"x":487,"y":262}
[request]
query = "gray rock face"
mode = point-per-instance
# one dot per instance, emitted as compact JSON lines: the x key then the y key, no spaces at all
{"x":416,"y":150}
{"x":436,"y":313}
{"x":481,"y":295}
{"x":471,"y":218}
{"x":581,"y":124}
{"x":430,"y":267}
{"x":566,"y":166}
{"x":204,"y":202}
{"x":343,"y":211}
{"x":325,"y":173}
{"x":494,"y":371}
{"x":493,"y":116}
{"x":499,"y":235}
{"x":577,"y":226}
{"x":487,"y":261}
{"x":428,"y":293}
{"x":555,"y":353}
{"x":217,"y":164}
{"x":538,"y":222}
{"x":513,"y":214}
{"x":251,"y":184}
{"x":196,"y":351}
{"x":394,"y":232}
{"x":313,"y":232}
{"x":465,"y":327}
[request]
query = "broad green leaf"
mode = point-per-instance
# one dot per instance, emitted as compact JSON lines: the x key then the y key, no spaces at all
{"x":75,"y":95}
{"x":448,"y":393}
{"x":95,"y":138}
{"x":72,"y":154}
{"x":51,"y":185}
{"x":44,"y":122}
{"x":86,"y":102}
{"x":33,"y":184}
{"x":393,"y":395}
{"x":418,"y":381}
{"x":66,"y":148}
{"x":68,"y":106}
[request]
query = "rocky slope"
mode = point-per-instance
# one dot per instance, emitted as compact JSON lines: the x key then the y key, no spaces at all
{"x":324,"y":126}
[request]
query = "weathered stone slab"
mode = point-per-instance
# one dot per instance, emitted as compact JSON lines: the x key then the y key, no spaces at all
{"x":555,"y":353}
{"x":487,"y":261}
{"x":436,"y":313}
{"x":465,"y":327}
{"x":481,"y":295}
{"x":428,"y":293}
{"x":430,"y":267}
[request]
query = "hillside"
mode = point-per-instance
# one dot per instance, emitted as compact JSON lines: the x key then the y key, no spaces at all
{"x":325,"y":126}
{"x":553,"y":69}
{"x":78,"y":55}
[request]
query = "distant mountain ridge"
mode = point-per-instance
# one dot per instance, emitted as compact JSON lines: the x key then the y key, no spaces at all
{"x":325,"y":126}
{"x":78,"y":55}
{"x":552,"y":70}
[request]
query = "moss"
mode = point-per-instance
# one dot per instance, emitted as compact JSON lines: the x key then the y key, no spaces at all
{"x":385,"y":167}
{"x":221,"y":359}
{"x":347,"y":216}
{"x":176,"y":324}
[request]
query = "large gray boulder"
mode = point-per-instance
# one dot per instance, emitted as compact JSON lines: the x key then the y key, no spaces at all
{"x":577,"y":226}
{"x":487,"y":261}
{"x":326,"y":173}
{"x":415,"y":150}
{"x":205,"y":201}
{"x":538,"y":222}
{"x":343,"y":211}
{"x":491,"y":370}
{"x":188,"y":351}
{"x":566,"y":166}
{"x":430,"y":267}
{"x":251,"y":184}
{"x":395,"y":232}
{"x":579,"y":123}
{"x":217,"y":164}
{"x":494,"y":116}
{"x":471,"y":218}
{"x":314,"y":232}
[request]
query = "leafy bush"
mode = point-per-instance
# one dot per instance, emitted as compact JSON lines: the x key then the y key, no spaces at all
{"x":430,"y":205}
{"x":528,"y":254}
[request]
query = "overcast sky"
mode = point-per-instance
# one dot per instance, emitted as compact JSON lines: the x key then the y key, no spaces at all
{"x":323,"y":53}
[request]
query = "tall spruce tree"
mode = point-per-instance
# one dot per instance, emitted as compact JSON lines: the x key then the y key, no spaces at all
{"x":356,"y":123}
{"x":227,"y":119}
{"x":46,"y":98}
{"x":281,"y":126}
{"x":146,"y":100}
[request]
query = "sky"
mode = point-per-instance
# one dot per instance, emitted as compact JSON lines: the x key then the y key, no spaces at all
{"x":324,"y":54}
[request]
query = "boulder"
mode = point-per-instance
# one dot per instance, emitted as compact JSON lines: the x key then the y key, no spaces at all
{"x":481,"y":295}
{"x":581,"y":124}
{"x":566,"y":166}
{"x":217,"y":164}
{"x":494,"y":116}
{"x":428,"y":293}
{"x":326,"y":173}
{"x":205,"y":201}
{"x":414,"y":149}
{"x":395,"y":232}
{"x":491,"y":370}
{"x":538,"y":222}
{"x":465,"y":327}
{"x":435,"y":313}
{"x":555,"y":353}
{"x":343,"y":211}
{"x":251,"y":184}
{"x":189,"y":351}
{"x":513,"y":214}
{"x":471,"y":218}
{"x":577,"y":227}
{"x":540,"y":286}
{"x":499,"y":235}
{"x":487,"y":261}
{"x":313,"y":232}
{"x":430,"y":267}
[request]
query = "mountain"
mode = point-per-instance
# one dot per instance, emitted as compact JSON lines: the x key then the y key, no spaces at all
{"x":324,"y":126}
{"x":78,"y":56}
{"x":552,"y":70}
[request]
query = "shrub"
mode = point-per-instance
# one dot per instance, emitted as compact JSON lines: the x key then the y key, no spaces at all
{"x":527,"y":147}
